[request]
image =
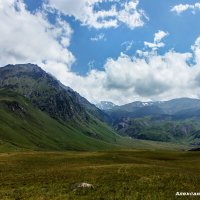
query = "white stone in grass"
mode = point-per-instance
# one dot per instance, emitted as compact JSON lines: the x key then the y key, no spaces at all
{"x":85,"y":185}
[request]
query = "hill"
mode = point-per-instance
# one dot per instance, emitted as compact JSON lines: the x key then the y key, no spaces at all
{"x":24,"y":126}
{"x":38,"y":112}
{"x":176,"y":120}
{"x":47,"y":93}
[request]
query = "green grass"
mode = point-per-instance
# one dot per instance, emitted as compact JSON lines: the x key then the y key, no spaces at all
{"x":32,"y":129}
{"x":35,"y":130}
{"x":119,"y":175}
{"x":165,"y":130}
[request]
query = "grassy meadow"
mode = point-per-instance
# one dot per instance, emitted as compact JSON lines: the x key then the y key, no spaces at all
{"x":115,"y":175}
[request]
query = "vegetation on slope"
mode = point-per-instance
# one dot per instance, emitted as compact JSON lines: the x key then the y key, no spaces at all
{"x":25,"y":126}
{"x":43,"y":90}
{"x":38,"y":112}
{"x":157,"y":129}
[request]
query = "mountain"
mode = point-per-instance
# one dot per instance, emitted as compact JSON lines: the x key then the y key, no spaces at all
{"x":135,"y":110}
{"x":168,"y":107}
{"x":42,"y":90}
{"x":105,"y":105}
{"x":91,"y":108}
{"x":148,"y":128}
{"x":37,"y":111}
{"x":176,"y":120}
{"x":177,"y":108}
{"x":47,"y":93}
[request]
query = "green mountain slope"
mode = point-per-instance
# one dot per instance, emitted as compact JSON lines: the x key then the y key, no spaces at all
{"x":47,"y":93}
{"x":37,"y":112}
{"x":24,"y":126}
{"x":176,"y":120}
{"x":159,"y":129}
{"x":44,"y":91}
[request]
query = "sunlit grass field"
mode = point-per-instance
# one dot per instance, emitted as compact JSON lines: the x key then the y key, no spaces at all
{"x":116,"y":175}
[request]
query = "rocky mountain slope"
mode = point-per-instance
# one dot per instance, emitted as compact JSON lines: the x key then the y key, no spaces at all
{"x":38,"y":112}
{"x":105,"y":105}
{"x":37,"y":109}
{"x":177,"y":120}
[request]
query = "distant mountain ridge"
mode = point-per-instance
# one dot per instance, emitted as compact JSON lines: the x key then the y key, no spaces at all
{"x":105,"y":105}
{"x":168,"y":106}
{"x":172,"y":107}
{"x":175,"y":120}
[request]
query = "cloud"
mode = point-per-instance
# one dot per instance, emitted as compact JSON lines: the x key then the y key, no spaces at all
{"x":131,"y":16}
{"x":154,"y":45}
{"x":91,"y":12}
{"x":98,"y":37}
{"x":184,"y":7}
{"x":146,"y":77}
{"x":159,"y":36}
{"x":127,"y":45}
{"x":29,"y":37}
{"x":157,"y":40}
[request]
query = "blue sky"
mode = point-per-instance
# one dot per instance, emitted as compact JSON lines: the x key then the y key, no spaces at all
{"x":183,"y":29}
{"x":109,"y":50}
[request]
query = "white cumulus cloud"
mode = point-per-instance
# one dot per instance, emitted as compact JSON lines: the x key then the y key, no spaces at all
{"x":148,"y":77}
{"x":157,"y":40}
{"x":184,"y":7}
{"x":159,"y":36}
{"x":27,"y":37}
{"x":30,"y":37}
{"x":119,"y":12}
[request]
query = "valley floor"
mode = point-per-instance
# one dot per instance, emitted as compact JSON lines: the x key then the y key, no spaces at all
{"x":119,"y":175}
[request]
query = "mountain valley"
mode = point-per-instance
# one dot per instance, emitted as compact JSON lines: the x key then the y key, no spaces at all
{"x":38,"y":112}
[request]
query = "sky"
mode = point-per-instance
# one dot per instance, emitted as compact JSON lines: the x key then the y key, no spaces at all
{"x":108,"y":50}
